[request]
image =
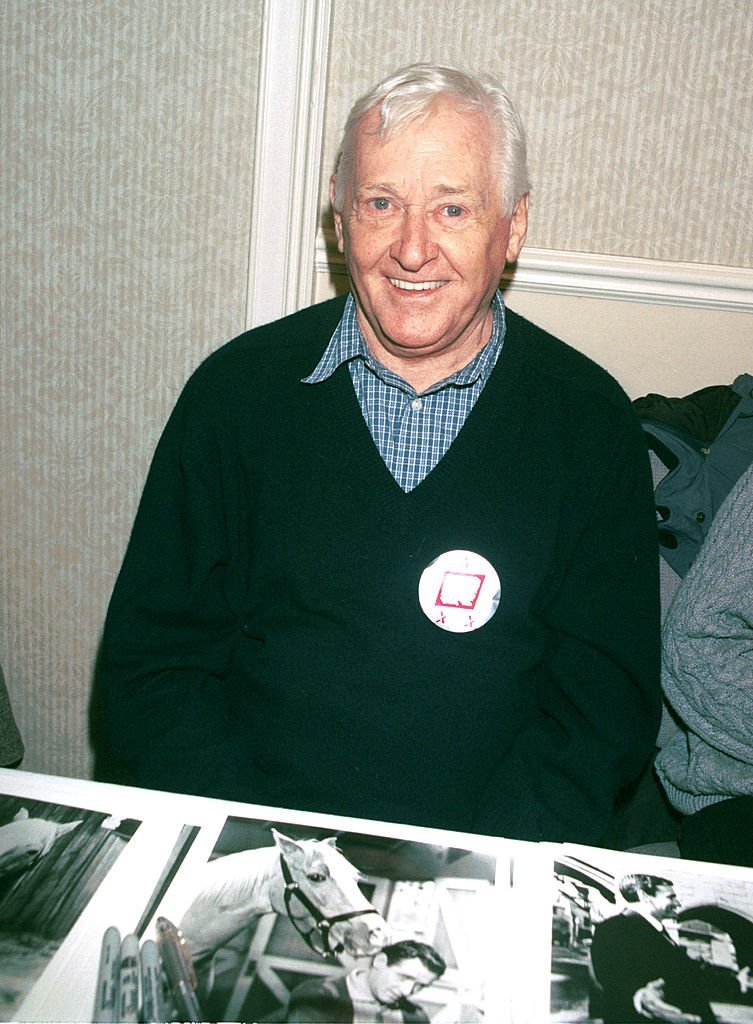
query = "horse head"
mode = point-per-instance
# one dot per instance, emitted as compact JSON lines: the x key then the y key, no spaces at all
{"x":322,"y":897}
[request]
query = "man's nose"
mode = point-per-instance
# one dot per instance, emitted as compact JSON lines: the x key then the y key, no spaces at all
{"x":414,"y":245}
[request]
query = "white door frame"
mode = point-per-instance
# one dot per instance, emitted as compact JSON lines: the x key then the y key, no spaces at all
{"x":287,"y":161}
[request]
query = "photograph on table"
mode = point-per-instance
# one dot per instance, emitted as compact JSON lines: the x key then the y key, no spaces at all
{"x":52,"y":860}
{"x":292,"y":922}
{"x":646,"y":938}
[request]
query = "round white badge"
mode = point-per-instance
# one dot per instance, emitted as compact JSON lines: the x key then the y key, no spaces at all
{"x":459,"y":591}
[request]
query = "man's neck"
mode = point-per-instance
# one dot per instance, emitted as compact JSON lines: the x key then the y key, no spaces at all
{"x":421,"y":370}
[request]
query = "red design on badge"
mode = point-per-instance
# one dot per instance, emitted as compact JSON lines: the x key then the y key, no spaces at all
{"x":459,"y":589}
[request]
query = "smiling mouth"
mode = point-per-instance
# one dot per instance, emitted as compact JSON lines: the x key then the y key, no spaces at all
{"x":416,"y":286}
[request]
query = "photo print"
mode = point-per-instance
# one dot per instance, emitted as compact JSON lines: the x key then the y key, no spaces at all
{"x":52,"y":860}
{"x":284,"y":913}
{"x":637,"y":939}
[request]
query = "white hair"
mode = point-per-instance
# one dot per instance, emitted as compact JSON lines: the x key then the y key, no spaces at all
{"x":408,"y":95}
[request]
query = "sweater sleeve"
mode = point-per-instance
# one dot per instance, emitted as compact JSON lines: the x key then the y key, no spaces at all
{"x":707,"y":664}
{"x":164,"y":713}
{"x":597,"y":682}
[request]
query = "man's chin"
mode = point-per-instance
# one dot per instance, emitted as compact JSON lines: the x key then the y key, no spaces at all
{"x":394,"y":1004}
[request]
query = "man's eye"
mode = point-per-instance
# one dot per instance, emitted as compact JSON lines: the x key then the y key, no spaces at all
{"x":380,"y":203}
{"x":454,"y":211}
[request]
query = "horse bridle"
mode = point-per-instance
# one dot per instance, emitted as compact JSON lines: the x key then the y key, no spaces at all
{"x":322,"y":923}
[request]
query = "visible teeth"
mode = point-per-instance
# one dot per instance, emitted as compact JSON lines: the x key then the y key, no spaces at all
{"x":416,"y":286}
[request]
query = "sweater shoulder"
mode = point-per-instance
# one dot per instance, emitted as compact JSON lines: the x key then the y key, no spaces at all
{"x":547,"y":358}
{"x":285,"y":349}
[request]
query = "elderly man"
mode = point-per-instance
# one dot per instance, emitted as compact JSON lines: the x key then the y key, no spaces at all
{"x":380,"y":992}
{"x":396,"y":554}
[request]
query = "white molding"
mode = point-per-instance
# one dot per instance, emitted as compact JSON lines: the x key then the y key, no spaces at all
{"x":607,"y":277}
{"x":287,"y":160}
{"x":638,"y":280}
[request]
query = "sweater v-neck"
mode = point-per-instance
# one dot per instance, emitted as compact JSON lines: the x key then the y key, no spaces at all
{"x":446,"y":478}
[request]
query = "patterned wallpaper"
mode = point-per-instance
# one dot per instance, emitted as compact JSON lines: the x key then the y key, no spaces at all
{"x":639,"y":116}
{"x":127,"y":156}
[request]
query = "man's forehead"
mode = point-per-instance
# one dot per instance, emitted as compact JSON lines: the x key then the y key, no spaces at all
{"x":661,"y":891}
{"x":370,"y":131}
{"x":452,"y":158}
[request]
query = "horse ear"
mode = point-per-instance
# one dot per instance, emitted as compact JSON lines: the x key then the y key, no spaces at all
{"x":22,"y":815}
{"x":60,"y":830}
{"x":286,"y":845}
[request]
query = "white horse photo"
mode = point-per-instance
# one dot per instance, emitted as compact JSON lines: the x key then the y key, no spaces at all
{"x":25,"y":840}
{"x":308,"y":880}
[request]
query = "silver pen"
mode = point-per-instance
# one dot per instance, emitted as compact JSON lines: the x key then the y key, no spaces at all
{"x":105,"y":1003}
{"x":128,"y":981}
{"x":176,"y":961}
{"x":152,"y":1008}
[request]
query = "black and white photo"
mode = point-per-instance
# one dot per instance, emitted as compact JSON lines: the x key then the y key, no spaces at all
{"x":637,"y":939}
{"x":284,"y":913}
{"x":52,"y":859}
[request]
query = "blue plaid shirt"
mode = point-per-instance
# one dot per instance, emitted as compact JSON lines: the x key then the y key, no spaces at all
{"x":412,"y":431}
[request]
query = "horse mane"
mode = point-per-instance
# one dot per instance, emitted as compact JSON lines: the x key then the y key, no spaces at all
{"x":236,"y":877}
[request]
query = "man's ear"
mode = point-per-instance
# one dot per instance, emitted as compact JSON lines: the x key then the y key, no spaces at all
{"x":337,"y":216}
{"x":518,"y":229}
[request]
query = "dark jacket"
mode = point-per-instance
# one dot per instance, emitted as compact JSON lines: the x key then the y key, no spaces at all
{"x":627,"y":953}
{"x":705,"y":440}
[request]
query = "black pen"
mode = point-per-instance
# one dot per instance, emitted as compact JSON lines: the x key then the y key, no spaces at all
{"x":176,"y":961}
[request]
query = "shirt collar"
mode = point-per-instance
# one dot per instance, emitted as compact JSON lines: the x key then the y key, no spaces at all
{"x":348,"y":343}
{"x":365,"y":1006}
{"x":345,"y":344}
{"x":357,"y":983}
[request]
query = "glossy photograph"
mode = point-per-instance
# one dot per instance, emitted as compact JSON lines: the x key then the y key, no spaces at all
{"x":636,"y":939}
{"x":52,"y":860}
{"x":291,"y":923}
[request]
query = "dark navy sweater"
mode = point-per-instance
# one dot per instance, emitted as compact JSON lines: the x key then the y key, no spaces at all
{"x":265,"y":641}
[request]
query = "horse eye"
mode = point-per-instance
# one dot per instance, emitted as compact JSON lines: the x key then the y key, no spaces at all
{"x":315,"y":876}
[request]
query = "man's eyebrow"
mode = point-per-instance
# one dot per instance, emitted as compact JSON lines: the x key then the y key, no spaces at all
{"x":378,"y":186}
{"x":369,"y":187}
{"x":452,"y":190}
